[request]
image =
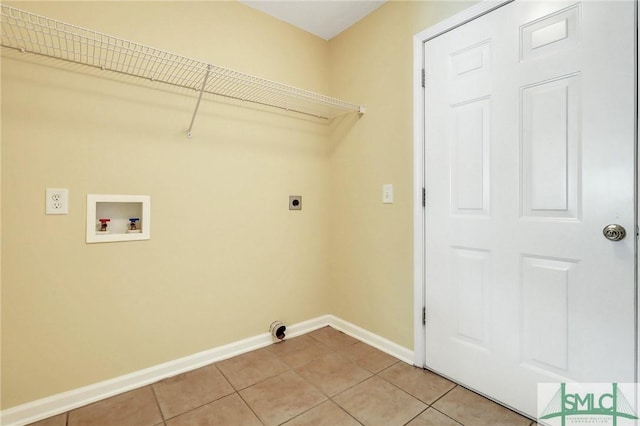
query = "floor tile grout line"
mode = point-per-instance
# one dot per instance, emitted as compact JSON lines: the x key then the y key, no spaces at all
{"x":348,"y":413}
{"x":350,"y":387}
{"x":199,"y":406}
{"x":378,"y":372}
{"x":446,"y":415}
{"x":338,"y":351}
{"x":476,"y":393}
{"x":329,"y":398}
{"x":344,"y":390}
{"x":417,"y":415}
{"x":355,"y":360}
{"x":309,"y":382}
{"x":486,"y":398}
{"x":226,"y":379}
{"x":155,"y":396}
{"x":409,"y":393}
{"x":289,"y":368}
{"x":395,"y":363}
{"x":249,"y":407}
{"x":427,"y":406}
{"x":304,"y":412}
{"x":310,"y":334}
{"x":327,"y":350}
{"x":455,"y":385}
{"x":263,"y":380}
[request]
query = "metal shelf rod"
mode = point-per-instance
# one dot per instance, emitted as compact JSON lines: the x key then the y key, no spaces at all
{"x":204,"y":84}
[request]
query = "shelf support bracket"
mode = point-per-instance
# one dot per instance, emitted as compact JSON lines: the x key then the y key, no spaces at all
{"x":204,"y":84}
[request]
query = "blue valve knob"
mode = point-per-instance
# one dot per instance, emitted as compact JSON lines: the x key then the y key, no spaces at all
{"x":132,"y":224}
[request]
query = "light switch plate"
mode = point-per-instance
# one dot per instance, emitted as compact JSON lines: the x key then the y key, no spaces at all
{"x":387,"y":193}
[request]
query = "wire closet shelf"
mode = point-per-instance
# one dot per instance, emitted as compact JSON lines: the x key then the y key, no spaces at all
{"x":29,"y":32}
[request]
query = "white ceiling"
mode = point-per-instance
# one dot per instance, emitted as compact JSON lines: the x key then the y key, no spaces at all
{"x":324,"y":18}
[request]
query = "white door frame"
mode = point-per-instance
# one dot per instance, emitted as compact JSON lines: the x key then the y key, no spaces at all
{"x":485,"y":6}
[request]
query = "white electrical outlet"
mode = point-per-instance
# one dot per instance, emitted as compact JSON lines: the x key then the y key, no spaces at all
{"x":57,"y":201}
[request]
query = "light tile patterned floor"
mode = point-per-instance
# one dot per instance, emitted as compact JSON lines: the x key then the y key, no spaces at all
{"x":322,"y":378}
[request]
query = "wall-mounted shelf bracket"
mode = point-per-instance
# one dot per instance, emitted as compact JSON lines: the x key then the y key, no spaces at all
{"x":204,"y":84}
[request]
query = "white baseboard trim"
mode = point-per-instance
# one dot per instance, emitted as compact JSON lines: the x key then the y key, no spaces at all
{"x":66,"y":401}
{"x":385,"y":345}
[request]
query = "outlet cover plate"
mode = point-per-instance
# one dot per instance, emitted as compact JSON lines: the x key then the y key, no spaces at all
{"x":57,"y":201}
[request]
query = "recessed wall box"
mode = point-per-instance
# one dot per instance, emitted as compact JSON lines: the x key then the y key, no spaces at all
{"x":117,"y":211}
{"x":295,"y":202}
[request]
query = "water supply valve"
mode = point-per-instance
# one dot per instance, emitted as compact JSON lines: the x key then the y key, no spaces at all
{"x":133,"y":226}
{"x":103,"y":224}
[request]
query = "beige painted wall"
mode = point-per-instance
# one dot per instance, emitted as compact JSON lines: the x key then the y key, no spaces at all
{"x":226,"y":256}
{"x":372,"y":243}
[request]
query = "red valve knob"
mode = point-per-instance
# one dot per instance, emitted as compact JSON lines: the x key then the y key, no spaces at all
{"x":104,"y":221}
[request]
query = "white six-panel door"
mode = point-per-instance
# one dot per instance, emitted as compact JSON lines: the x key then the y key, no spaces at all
{"x":529,"y":152}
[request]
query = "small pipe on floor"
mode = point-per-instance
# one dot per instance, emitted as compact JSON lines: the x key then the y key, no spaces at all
{"x":277,"y":329}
